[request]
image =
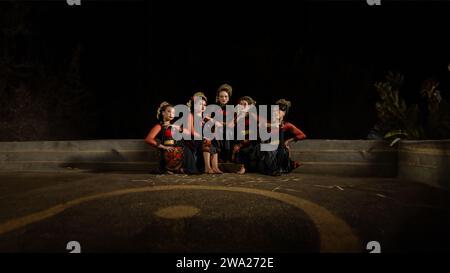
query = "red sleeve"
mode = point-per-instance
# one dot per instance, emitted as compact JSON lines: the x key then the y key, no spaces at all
{"x":151,"y":137}
{"x":298,"y":134}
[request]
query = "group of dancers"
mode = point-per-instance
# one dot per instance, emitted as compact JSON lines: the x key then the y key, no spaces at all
{"x":203,"y":155}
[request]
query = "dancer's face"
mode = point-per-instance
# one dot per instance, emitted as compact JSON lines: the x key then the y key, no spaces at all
{"x":244,"y":106}
{"x":169,"y":113}
{"x":281,"y":114}
{"x":223,"y":97}
{"x":201,"y":107}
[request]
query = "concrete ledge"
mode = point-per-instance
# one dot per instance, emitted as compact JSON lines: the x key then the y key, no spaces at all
{"x":336,"y":157}
{"x":346,"y":157}
{"x":426,"y":162}
{"x":92,"y":155}
{"x":422,"y":161}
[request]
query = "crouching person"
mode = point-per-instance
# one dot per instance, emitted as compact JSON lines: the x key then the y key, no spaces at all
{"x":278,"y":161}
{"x":160,"y":137}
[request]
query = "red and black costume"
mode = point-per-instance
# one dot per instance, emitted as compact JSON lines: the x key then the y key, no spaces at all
{"x":245,"y":150}
{"x":225,"y":146}
{"x":171,"y":161}
{"x":279,"y":161}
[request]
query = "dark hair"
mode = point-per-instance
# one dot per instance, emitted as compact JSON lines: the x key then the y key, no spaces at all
{"x":284,"y":105}
{"x":247,"y":99}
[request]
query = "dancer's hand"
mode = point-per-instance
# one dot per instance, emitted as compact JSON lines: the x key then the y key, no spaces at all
{"x":236,"y":148}
{"x":286,"y":144}
{"x":167,"y":148}
{"x":207,"y":141}
{"x":177,"y":127}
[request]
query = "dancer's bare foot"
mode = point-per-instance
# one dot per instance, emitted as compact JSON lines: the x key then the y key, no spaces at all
{"x":241,"y":170}
{"x":218,"y":171}
{"x":296,"y":164}
{"x":209,"y":171}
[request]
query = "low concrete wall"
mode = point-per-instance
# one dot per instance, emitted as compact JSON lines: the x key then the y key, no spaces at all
{"x":336,"y":157}
{"x":346,"y":157}
{"x":422,"y":161}
{"x":426,"y":162}
{"x":95,"y":155}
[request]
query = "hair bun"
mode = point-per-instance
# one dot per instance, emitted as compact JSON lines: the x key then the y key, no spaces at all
{"x":248,"y":99}
{"x":283,"y":102}
{"x":161,"y":106}
{"x":197,"y":94}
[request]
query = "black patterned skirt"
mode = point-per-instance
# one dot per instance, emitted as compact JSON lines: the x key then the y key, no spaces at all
{"x":172,"y":161}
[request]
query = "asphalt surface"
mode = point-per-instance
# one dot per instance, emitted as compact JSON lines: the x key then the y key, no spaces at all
{"x":294,"y":213}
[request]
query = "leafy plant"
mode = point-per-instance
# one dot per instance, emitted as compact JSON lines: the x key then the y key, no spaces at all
{"x":397,"y":119}
{"x":438,"y":118}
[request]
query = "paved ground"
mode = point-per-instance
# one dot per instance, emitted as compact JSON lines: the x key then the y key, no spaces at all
{"x":137,"y":212}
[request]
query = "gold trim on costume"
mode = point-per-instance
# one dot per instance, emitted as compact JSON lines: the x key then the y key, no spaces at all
{"x":169,"y":142}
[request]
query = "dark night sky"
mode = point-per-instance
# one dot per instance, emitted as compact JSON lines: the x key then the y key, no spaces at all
{"x":324,"y":56}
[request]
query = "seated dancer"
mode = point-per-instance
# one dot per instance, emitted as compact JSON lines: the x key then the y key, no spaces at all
{"x":208,"y":147}
{"x":223,"y":96}
{"x":278,"y":161}
{"x":160,"y":136}
{"x":243,"y":150}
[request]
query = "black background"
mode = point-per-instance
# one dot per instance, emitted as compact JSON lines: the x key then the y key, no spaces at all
{"x":324,"y":56}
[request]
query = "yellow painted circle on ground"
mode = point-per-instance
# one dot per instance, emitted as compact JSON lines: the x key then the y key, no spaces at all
{"x":177,"y":212}
{"x":335,"y":234}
